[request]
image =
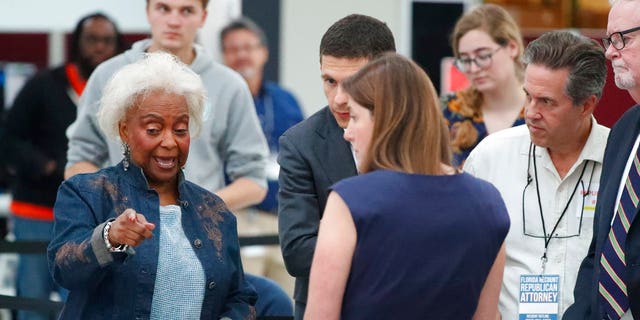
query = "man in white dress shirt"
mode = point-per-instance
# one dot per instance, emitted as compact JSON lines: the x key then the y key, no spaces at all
{"x":547,"y":172}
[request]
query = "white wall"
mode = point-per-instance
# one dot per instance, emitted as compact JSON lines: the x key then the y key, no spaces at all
{"x":220,"y":12}
{"x":62,"y":15}
{"x":58,"y":17}
{"x":303,"y":24}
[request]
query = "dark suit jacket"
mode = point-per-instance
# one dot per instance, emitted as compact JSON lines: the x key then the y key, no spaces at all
{"x":587,"y":301}
{"x":313,"y":156}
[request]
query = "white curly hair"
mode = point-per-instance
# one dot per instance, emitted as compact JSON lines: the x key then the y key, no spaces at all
{"x":156,"y":71}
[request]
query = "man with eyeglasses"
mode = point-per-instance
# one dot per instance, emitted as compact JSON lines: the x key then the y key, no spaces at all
{"x":608,"y":285}
{"x":244,"y":49}
{"x":547,"y":172}
{"x":35,"y":145}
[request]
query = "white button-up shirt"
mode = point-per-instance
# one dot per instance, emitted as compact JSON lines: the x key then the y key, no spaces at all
{"x":504,"y":159}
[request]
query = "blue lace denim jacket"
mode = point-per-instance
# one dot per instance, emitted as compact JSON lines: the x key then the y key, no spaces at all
{"x":106,"y":285}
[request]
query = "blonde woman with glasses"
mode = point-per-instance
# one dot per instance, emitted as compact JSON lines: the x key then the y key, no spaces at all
{"x":487,"y":45}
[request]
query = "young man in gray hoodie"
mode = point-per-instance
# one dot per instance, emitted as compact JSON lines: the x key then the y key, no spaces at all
{"x":231,"y":137}
{"x":231,"y":140}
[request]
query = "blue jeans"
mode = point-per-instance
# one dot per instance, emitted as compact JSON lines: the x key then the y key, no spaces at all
{"x":272,"y":299}
{"x":33,"y":279}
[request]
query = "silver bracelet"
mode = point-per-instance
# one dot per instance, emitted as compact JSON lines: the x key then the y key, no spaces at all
{"x":105,"y":237}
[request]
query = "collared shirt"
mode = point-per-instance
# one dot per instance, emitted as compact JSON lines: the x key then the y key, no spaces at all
{"x":277,"y":110}
{"x":353,"y":153}
{"x":503,"y":159}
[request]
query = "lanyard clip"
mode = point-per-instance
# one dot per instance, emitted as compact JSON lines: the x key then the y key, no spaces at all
{"x":543,"y":260}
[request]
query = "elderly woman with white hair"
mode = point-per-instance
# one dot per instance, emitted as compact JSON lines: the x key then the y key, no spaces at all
{"x":186,"y":262}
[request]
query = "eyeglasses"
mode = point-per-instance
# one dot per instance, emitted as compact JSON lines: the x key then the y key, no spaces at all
{"x":535,"y":232}
{"x":482,"y":60}
{"x":617,"y":39}
{"x":548,"y":236}
{"x":93,"y":40}
{"x":247,"y":47}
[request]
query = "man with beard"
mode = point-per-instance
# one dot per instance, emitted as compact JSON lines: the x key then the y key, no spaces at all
{"x":608,"y":285}
{"x":245,"y":50}
{"x":35,"y":145}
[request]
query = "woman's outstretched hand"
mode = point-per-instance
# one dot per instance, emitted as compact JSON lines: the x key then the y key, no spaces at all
{"x":130,"y":228}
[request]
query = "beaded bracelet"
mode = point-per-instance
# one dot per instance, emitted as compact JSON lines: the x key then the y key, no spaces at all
{"x":105,"y":236}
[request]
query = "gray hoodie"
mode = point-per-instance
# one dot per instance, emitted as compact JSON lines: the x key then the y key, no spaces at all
{"x":231,"y":138}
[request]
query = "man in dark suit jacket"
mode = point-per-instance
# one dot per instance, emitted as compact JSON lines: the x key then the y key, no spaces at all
{"x":313,"y":154}
{"x":623,"y":49}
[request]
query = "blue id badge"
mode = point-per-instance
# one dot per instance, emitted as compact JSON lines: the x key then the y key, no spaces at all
{"x":539,"y":296}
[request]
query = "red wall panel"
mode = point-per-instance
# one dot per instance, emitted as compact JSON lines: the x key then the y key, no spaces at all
{"x":34,"y":47}
{"x":25,"y":47}
{"x":614,"y":101}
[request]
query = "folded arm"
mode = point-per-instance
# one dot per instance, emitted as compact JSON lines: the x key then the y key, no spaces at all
{"x":245,"y":152}
{"x":241,"y":193}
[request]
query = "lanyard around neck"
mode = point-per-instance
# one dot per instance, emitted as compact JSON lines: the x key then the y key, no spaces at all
{"x":549,"y":236}
{"x":76,"y":81}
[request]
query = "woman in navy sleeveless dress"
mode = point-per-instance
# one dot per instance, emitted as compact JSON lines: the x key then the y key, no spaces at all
{"x":409,"y":238}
